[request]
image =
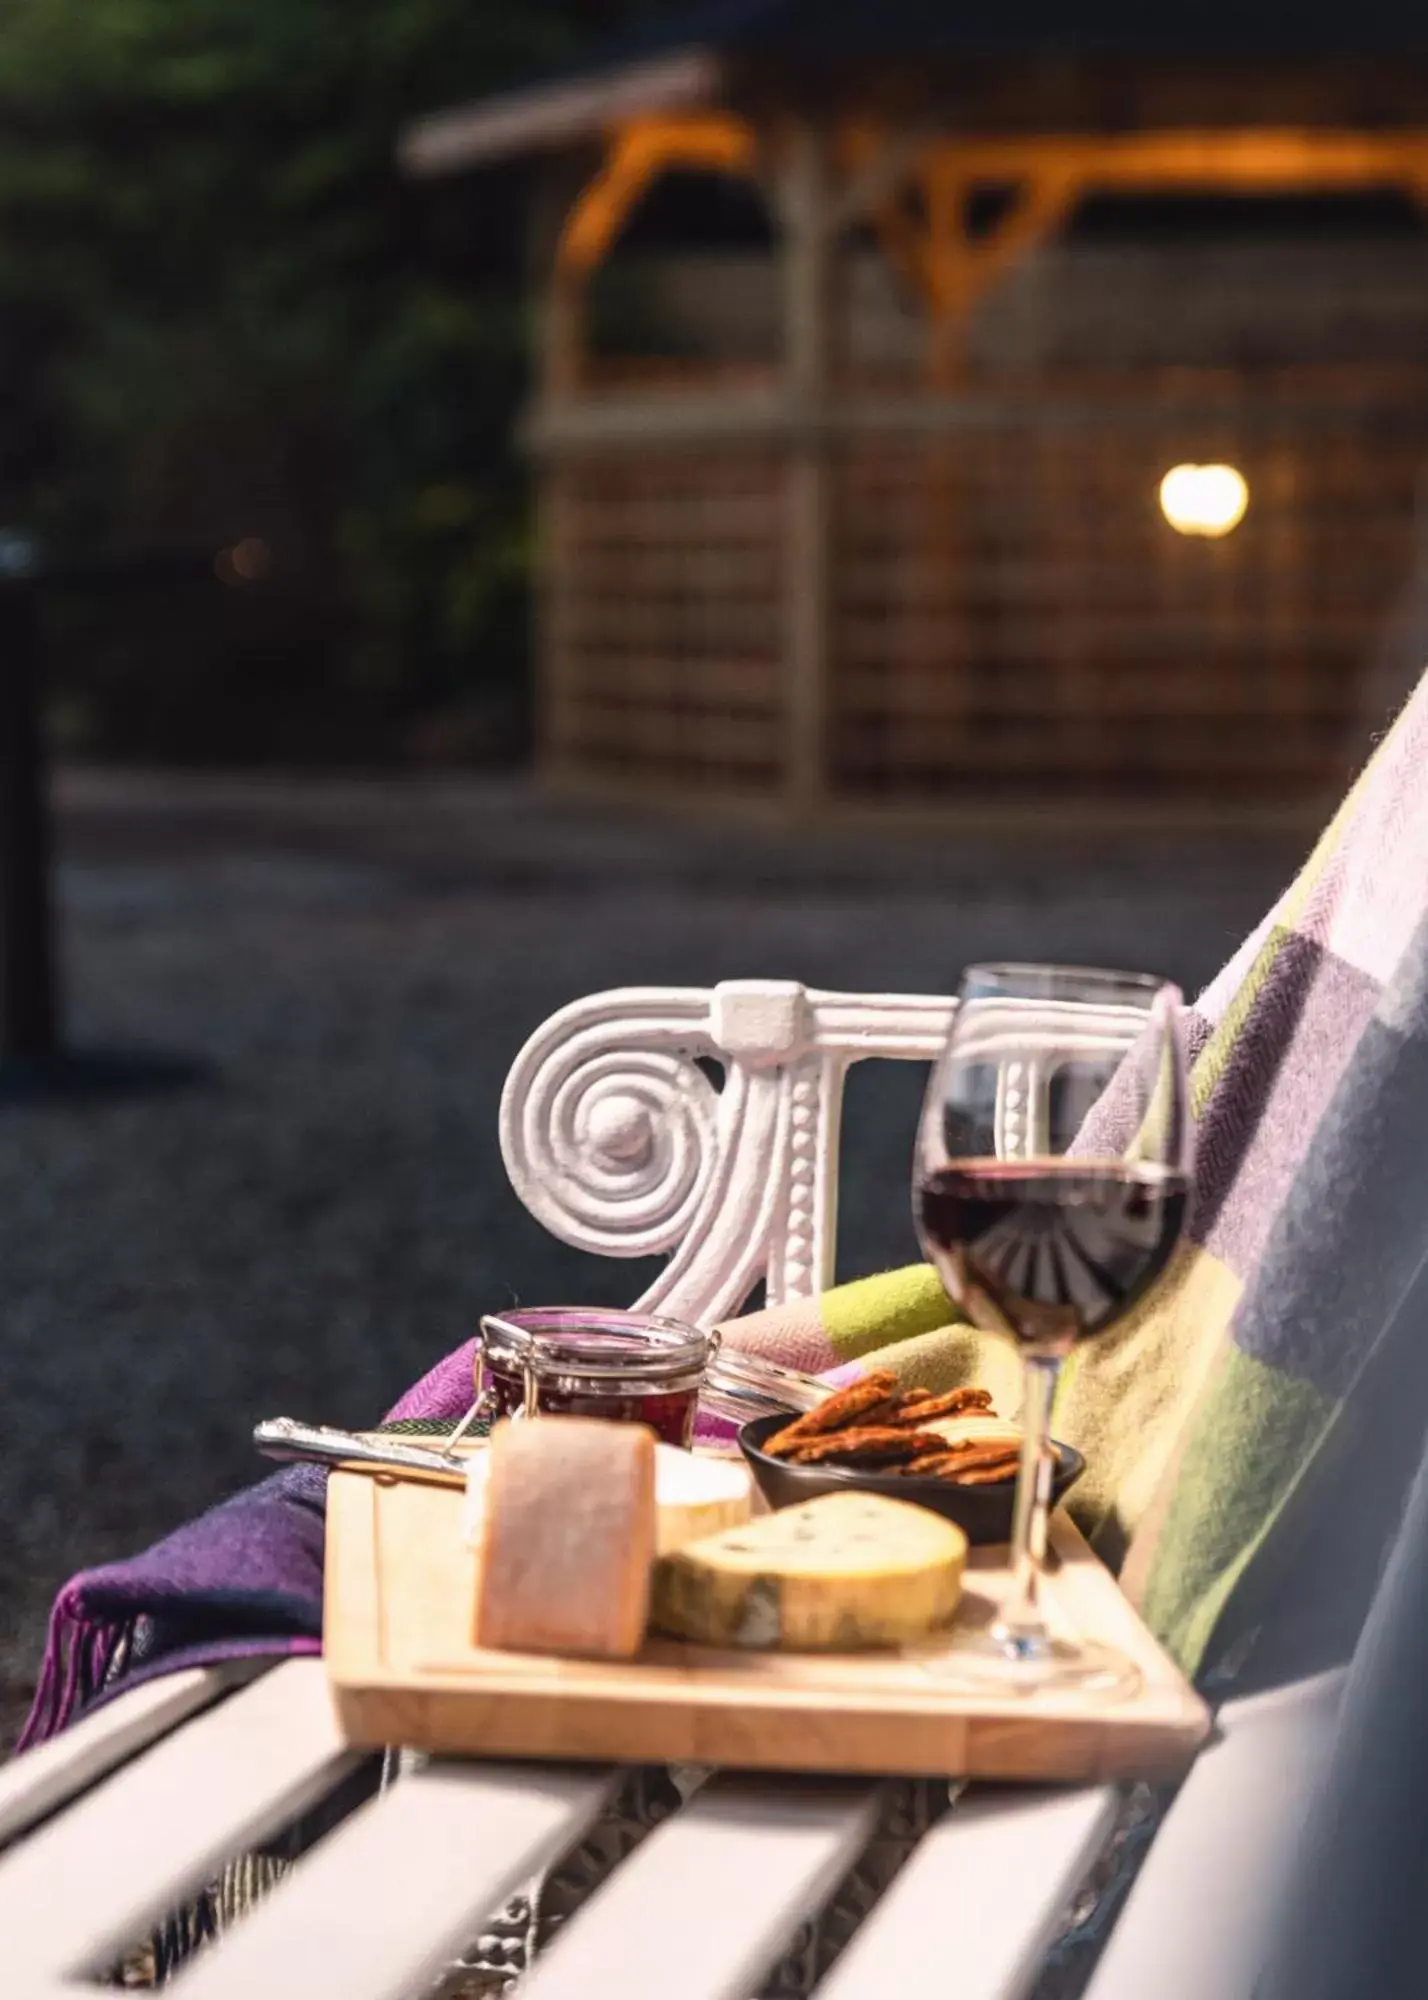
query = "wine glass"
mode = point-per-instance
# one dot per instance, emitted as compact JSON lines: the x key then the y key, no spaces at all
{"x":1050,"y":1189}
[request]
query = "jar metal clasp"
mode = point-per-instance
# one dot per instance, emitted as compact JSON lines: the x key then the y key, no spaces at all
{"x":484,"y":1403}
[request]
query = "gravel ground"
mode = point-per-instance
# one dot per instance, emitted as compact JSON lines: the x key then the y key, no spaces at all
{"x":359,"y":964}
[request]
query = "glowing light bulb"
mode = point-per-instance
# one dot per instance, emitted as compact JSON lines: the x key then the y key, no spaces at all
{"x":1204,"y":499}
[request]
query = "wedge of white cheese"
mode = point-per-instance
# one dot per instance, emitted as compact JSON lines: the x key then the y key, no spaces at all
{"x":567,"y":1538}
{"x":836,"y":1574}
{"x":694,"y":1496}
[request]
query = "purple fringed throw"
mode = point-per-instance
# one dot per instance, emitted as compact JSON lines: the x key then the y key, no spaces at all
{"x":243,"y":1580}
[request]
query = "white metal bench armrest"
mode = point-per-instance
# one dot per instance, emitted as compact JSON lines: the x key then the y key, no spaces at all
{"x":618,"y":1141}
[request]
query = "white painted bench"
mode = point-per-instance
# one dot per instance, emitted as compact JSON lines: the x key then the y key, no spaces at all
{"x":736,"y":1886}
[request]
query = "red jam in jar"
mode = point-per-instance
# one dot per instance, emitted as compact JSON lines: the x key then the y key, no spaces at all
{"x":573,"y":1361}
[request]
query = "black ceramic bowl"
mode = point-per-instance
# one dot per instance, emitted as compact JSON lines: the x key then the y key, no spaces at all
{"x":983,"y":1513}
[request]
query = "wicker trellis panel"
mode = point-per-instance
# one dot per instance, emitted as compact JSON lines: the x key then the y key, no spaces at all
{"x":664,"y":632}
{"x":1011,"y":620}
{"x":1015,"y":619}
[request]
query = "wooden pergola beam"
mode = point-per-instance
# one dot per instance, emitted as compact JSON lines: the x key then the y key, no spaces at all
{"x":638,"y":154}
{"x":959,"y":266}
{"x":954,"y":269}
{"x":1262,"y":161}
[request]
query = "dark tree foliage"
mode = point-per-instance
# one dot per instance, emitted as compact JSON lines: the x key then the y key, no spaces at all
{"x":224,"y":315}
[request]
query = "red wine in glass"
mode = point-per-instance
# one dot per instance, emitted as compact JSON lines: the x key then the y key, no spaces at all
{"x":1050,"y":1251}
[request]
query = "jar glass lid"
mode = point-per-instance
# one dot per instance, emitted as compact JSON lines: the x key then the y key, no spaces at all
{"x":599,"y":1344}
{"x":591,"y":1342}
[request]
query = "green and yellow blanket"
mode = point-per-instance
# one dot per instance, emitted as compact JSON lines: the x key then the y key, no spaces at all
{"x":1203,"y":1415}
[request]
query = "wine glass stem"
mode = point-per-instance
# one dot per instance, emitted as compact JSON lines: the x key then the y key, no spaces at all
{"x":1021,"y":1623}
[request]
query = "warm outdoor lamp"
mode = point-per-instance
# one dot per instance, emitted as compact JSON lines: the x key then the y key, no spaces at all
{"x":1204,"y":499}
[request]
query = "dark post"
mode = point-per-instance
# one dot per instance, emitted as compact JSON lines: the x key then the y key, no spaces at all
{"x":28,"y":989}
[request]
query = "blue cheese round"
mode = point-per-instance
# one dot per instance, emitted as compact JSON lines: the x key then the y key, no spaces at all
{"x":837,"y":1574}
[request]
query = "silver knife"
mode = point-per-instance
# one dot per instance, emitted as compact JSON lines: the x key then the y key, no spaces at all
{"x":286,"y":1439}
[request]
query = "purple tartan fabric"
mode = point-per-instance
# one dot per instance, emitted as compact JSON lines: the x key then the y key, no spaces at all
{"x":244,"y":1579}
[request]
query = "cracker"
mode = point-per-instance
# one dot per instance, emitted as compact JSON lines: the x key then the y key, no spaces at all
{"x":865,"y":1444}
{"x":845,"y":1407}
{"x":954,"y":1463}
{"x":956,"y":1403}
{"x":986,"y":1475}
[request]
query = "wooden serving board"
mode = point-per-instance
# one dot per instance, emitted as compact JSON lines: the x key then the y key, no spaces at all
{"x":399,"y":1599}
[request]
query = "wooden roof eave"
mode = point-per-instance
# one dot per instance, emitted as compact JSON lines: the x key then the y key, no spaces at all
{"x":982,"y":91}
{"x":548,"y":116}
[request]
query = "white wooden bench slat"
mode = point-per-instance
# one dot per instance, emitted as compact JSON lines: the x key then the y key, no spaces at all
{"x":85,"y":1885}
{"x":1204,"y":1907}
{"x":52,"y":1772}
{"x":708,"y":1901}
{"x":995,"y":1875}
{"x":382,"y":1904}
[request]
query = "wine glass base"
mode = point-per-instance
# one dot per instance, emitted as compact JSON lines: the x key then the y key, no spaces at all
{"x":1005,"y":1665}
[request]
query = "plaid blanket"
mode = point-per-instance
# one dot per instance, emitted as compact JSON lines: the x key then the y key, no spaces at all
{"x":1207,"y":1412}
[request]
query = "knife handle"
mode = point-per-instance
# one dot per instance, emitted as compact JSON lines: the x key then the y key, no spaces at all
{"x":294,"y":1443}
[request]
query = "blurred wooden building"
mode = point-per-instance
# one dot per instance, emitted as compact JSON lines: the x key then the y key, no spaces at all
{"x":868,"y":510}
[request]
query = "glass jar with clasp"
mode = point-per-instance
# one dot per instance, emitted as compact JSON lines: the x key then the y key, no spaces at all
{"x":626,"y":1367}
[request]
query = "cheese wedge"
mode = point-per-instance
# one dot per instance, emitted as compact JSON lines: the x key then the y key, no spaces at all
{"x":567,"y":1538}
{"x":694,"y":1496}
{"x":835,"y":1574}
